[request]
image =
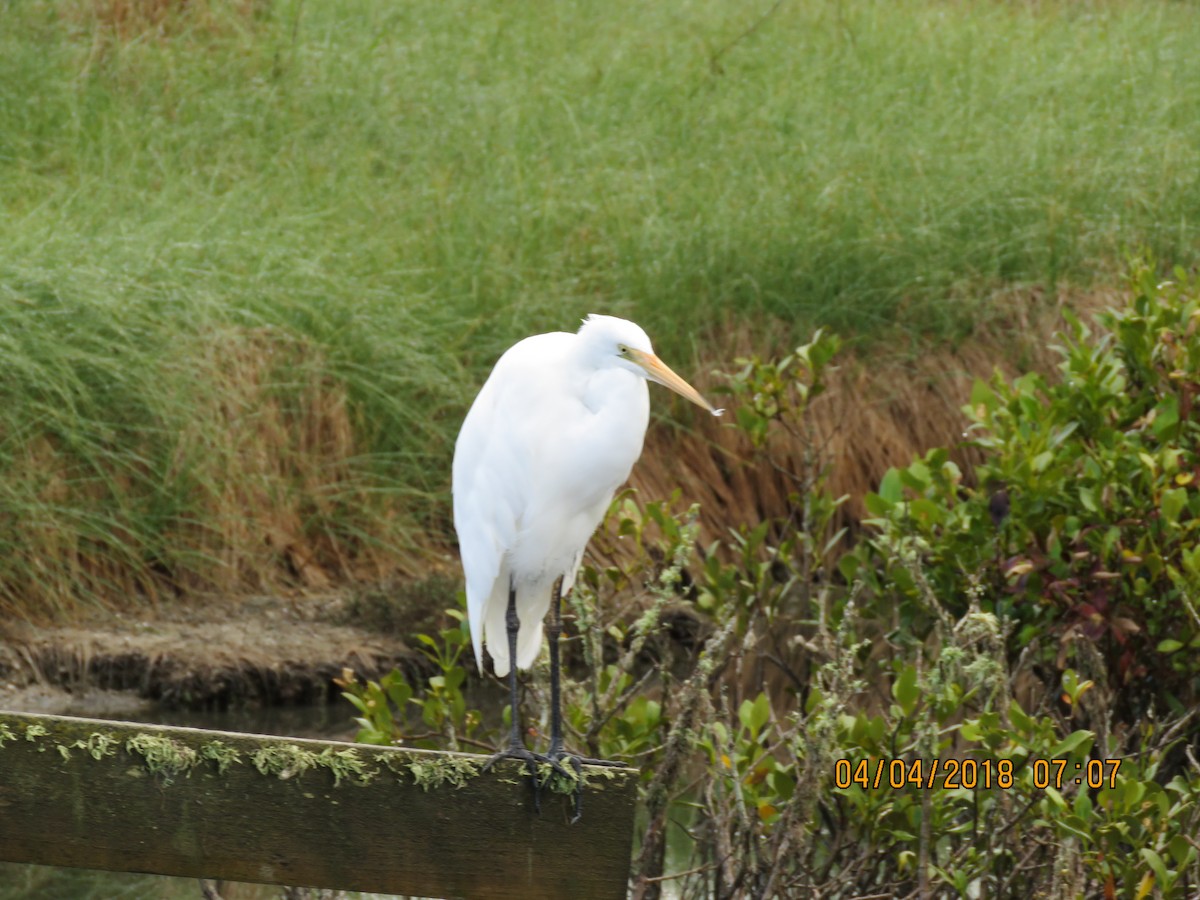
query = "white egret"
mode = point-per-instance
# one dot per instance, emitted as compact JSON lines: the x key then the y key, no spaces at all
{"x":553,"y":433}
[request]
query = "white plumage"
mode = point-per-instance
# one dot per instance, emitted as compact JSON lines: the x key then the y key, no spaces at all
{"x":553,"y":433}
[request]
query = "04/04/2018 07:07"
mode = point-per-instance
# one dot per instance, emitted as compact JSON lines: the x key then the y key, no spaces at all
{"x":972,"y":773}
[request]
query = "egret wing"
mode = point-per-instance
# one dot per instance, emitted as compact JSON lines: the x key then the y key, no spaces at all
{"x":494,"y":463}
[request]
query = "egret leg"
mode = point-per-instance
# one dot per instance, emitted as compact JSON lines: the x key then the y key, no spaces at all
{"x":553,"y":632}
{"x":557,"y":749}
{"x":516,"y":746}
{"x":512,"y":624}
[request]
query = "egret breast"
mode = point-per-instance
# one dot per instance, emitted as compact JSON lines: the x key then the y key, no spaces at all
{"x":588,"y":454}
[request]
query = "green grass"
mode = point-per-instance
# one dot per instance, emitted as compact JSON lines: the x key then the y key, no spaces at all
{"x":391,"y":193}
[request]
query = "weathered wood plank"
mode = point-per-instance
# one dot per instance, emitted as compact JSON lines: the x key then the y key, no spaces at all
{"x":182,"y":801}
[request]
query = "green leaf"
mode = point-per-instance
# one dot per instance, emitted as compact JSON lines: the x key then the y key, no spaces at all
{"x":1075,"y":826}
{"x":927,"y":512}
{"x":906,"y":691}
{"x":1182,"y":852}
{"x":891,"y":487}
{"x":877,"y":505}
{"x":1170,"y":645}
{"x":983,"y":395}
{"x":848,"y":565}
{"x":1148,"y":461}
{"x":755,"y":715}
{"x":1173,"y":502}
{"x":915,"y":476}
{"x":761,"y":713}
{"x":1166,"y":415}
{"x":1083,"y":806}
{"x":750,"y":422}
{"x":1133,"y":791}
{"x":400,"y":693}
{"x":1063,"y":433}
{"x":1055,"y":797}
{"x":1019,"y":718}
{"x":782,"y":784}
{"x":1157,"y":866}
{"x":1071,"y":743}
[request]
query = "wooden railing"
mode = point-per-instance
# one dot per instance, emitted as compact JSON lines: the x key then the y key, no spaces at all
{"x":209,"y":804}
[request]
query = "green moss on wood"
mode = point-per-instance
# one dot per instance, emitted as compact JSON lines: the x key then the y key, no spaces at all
{"x":163,"y":756}
{"x":562,"y":784}
{"x":436,"y":771}
{"x":98,"y":744}
{"x":346,"y":764}
{"x":170,"y":758}
{"x":282,"y":760}
{"x":222,"y":754}
{"x":287,"y":760}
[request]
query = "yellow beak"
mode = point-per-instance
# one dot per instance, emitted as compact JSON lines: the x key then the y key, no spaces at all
{"x":659,"y":371}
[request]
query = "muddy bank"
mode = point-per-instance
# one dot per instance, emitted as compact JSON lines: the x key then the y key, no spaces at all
{"x":263,"y":651}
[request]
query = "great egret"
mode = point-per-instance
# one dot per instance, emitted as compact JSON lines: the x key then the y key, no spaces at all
{"x":554,"y":431}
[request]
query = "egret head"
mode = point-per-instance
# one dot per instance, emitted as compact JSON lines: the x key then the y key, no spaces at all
{"x":621,"y":343}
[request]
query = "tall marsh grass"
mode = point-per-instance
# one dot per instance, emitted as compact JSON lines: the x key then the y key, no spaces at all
{"x":255,"y":256}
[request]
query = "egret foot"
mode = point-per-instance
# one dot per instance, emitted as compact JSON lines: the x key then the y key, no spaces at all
{"x":557,"y":752}
{"x":524,"y":754}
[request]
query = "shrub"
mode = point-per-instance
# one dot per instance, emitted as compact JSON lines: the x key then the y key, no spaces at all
{"x":1084,"y":532}
{"x":998,"y":630}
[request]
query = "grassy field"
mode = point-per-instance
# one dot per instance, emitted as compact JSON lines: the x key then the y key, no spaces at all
{"x":255,"y":257}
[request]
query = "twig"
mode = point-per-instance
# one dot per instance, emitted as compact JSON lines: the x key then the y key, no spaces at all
{"x":707,"y":867}
{"x":650,"y":859}
{"x":598,"y":724}
{"x":1017,"y":869}
{"x":926,"y":838}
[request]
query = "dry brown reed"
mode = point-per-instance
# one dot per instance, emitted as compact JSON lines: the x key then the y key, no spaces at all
{"x":258,"y":491}
{"x":261,"y":489}
{"x":268,"y":452}
{"x":885,"y":405}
